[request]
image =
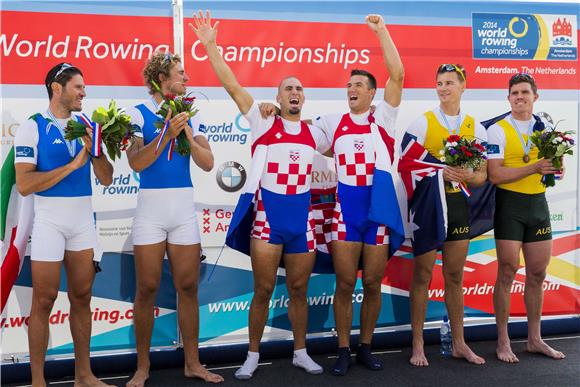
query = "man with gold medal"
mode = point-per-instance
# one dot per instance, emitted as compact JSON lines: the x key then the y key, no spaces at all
{"x":522,"y":217}
{"x":431,"y":130}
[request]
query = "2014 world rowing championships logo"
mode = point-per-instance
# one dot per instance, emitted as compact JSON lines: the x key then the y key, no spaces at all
{"x":231,"y":176}
{"x":521,"y":36}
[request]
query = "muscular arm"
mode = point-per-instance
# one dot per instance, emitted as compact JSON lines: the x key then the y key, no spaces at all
{"x":200,"y":151}
{"x":394,"y":86}
{"x":499,"y":174}
{"x":207,"y":35}
{"x":29,"y":180}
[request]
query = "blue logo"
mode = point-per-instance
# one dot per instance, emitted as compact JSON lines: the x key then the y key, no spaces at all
{"x":523,"y":36}
{"x":241,"y":128}
{"x":225,"y":131}
{"x":202,"y":128}
{"x":492,"y":149}
{"x":24,"y":151}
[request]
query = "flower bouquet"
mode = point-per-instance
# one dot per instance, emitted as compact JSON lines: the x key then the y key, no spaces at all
{"x":553,"y":144}
{"x":459,"y":151}
{"x":177,"y":104}
{"x":111,"y":126}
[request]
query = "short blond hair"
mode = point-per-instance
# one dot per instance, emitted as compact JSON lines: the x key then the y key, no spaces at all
{"x":159,"y":63}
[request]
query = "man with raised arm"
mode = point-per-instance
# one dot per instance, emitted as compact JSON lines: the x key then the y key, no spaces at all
{"x":273,"y":220}
{"x":366,"y":217}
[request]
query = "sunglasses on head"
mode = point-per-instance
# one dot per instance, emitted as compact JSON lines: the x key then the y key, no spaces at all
{"x":452,"y":68}
{"x":167,"y":58}
{"x":63,"y":68}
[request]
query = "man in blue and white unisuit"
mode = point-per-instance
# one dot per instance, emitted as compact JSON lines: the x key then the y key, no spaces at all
{"x":58,"y":173}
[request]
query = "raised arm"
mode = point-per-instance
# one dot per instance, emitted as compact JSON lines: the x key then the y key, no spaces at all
{"x":207,"y":34}
{"x":394,"y":85}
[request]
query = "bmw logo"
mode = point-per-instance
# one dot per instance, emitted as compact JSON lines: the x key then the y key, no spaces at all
{"x":231,"y":176}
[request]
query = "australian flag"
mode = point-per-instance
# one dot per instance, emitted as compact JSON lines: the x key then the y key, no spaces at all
{"x":422,"y":177}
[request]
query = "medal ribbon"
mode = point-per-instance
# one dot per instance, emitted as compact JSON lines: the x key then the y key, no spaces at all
{"x":526,"y":145}
{"x":71,"y":145}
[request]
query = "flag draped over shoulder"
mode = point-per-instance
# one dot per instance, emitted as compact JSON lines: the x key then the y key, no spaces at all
{"x":17,"y":213}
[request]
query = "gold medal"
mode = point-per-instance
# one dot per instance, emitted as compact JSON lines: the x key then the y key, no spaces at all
{"x":526,"y":159}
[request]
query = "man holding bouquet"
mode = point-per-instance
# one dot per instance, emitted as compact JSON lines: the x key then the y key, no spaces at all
{"x":439,"y":131}
{"x":522,"y":217}
{"x":56,"y":171}
{"x":165,"y":220}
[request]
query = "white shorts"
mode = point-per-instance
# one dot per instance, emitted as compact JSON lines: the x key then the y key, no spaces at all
{"x":165,"y":214}
{"x":62,"y":224}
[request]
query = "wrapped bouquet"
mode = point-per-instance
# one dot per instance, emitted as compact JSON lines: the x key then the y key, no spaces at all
{"x":460,"y":151}
{"x":553,"y":144}
{"x":111,"y":126}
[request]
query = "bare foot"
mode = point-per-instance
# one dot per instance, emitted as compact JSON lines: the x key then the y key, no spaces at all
{"x":202,"y":373}
{"x":139,"y":379}
{"x":504,"y":353}
{"x":462,"y":351}
{"x":543,"y":348}
{"x":418,"y":357}
{"x":90,"y":381}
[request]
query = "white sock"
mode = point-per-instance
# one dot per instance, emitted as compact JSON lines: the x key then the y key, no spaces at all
{"x":302,"y":360}
{"x":247,"y":369}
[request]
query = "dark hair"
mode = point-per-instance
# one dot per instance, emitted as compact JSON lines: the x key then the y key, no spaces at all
{"x":61,"y":74}
{"x":523,"y":78}
{"x":452,"y":68}
{"x":371,"y":78}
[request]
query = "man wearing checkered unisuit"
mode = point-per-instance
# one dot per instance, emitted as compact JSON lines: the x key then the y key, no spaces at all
{"x":361,"y":141}
{"x":273,"y":219}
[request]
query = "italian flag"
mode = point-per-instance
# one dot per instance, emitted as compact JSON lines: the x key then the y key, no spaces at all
{"x":17,"y":213}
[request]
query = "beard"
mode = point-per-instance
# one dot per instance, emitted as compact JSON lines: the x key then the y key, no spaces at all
{"x":70,"y":103}
{"x":294,"y":110}
{"x":177,"y":88}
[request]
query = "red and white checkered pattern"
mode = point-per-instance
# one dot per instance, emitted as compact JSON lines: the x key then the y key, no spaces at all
{"x":323,"y":214}
{"x":310,"y":238}
{"x":261,"y":227}
{"x":338,"y":227}
{"x":289,"y":179}
{"x":355,"y":169}
{"x":382,"y":235}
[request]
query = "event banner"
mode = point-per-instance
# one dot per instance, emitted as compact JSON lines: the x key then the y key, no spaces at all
{"x":492,"y":44}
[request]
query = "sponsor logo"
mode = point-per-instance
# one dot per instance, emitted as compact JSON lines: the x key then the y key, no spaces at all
{"x":217,"y":220}
{"x":235,"y":131}
{"x":545,"y":116}
{"x":8,"y":132}
{"x":24,"y":151}
{"x":123,"y":184}
{"x":523,"y":36}
{"x":57,"y":141}
{"x":231,"y":176}
{"x":157,"y":131}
